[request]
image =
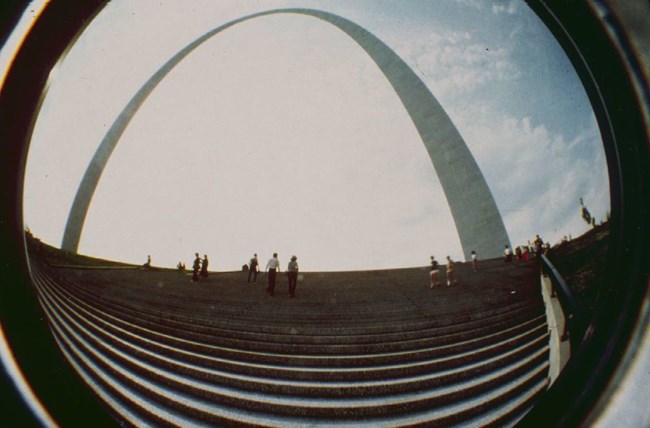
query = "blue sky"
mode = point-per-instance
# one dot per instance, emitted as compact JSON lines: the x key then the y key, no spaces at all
{"x":281,"y":135}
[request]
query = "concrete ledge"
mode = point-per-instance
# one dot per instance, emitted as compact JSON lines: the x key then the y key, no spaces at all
{"x":560,"y":351}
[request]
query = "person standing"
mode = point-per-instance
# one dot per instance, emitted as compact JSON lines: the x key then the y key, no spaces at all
{"x":539,"y":246}
{"x":292,"y":273}
{"x":450,"y":272}
{"x":433,"y":274}
{"x":196,"y":267}
{"x":272,"y":268}
{"x":507,"y":254}
{"x":204,"y":267}
{"x":254,"y":268}
{"x":474,"y":261}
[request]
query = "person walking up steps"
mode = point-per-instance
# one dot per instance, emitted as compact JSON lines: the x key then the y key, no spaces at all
{"x":450,"y":272}
{"x":204,"y":267}
{"x":433,"y":274}
{"x":507,"y":254}
{"x":272,"y":268}
{"x":196,"y":267}
{"x":254,"y":268}
{"x":474,"y":261}
{"x":147,"y":264}
{"x":292,"y":274}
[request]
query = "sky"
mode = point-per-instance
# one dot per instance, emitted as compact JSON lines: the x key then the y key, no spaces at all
{"x":281,"y":135}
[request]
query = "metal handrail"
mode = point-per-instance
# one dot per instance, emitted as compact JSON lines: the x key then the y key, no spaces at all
{"x":570,"y":308}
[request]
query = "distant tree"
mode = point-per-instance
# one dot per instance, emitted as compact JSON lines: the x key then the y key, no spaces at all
{"x":586,"y":215}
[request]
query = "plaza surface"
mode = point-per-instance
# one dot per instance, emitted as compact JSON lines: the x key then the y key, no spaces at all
{"x":337,"y":299}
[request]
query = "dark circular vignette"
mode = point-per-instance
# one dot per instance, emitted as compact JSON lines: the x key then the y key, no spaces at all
{"x":54,"y":382}
{"x":615,"y":81}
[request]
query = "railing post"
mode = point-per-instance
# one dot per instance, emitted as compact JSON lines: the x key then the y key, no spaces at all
{"x":567,"y":300}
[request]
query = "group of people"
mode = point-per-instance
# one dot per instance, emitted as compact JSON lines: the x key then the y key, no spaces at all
{"x":200,"y":271}
{"x":451,"y":278}
{"x":272,"y":268}
{"x":535,"y":249}
{"x":199,"y":268}
{"x":527,"y":252}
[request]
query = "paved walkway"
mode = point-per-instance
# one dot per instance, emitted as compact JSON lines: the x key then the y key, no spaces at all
{"x":334,"y":298}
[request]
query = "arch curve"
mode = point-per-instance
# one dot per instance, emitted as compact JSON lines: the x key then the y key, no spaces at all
{"x":475,"y":213}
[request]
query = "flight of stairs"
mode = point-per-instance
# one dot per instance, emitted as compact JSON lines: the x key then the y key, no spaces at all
{"x":163,"y":351}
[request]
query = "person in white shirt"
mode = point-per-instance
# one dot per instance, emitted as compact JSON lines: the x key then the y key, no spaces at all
{"x":507,"y":254}
{"x":254,"y":263}
{"x":272,"y":268}
{"x":434,"y":273}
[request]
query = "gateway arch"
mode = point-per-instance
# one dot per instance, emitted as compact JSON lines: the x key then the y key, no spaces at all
{"x":478,"y":222}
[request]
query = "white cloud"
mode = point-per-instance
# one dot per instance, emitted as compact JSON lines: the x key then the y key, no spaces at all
{"x":535,"y":174}
{"x":476,"y":4}
{"x":509,"y":7}
{"x":505,"y":7}
{"x":454,"y":64}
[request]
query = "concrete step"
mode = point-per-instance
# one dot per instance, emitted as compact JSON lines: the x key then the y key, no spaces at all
{"x":240,"y":327}
{"x":310,"y":343}
{"x":453,"y":367}
{"x":205,"y":307}
{"x":398,"y":367}
{"x":165,"y":387}
{"x":410,"y":350}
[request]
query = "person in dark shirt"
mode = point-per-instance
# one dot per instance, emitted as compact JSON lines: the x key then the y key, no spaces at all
{"x":196,"y":267}
{"x":272,"y":267}
{"x":292,"y":274}
{"x":204,"y":267}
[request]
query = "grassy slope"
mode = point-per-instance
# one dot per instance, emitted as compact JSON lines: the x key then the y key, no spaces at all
{"x":55,"y":256}
{"x":583,"y":264}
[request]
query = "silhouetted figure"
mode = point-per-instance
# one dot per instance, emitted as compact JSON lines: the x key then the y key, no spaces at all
{"x":518,"y":253}
{"x":507,"y":254}
{"x":204,"y":267}
{"x":254,"y":268}
{"x":272,"y":267}
{"x":196,"y":267}
{"x":451,"y":279}
{"x":147,"y":265}
{"x":180,"y":266}
{"x":292,"y":274}
{"x":474,"y":261}
{"x":539,"y":245}
{"x":433,"y":274}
